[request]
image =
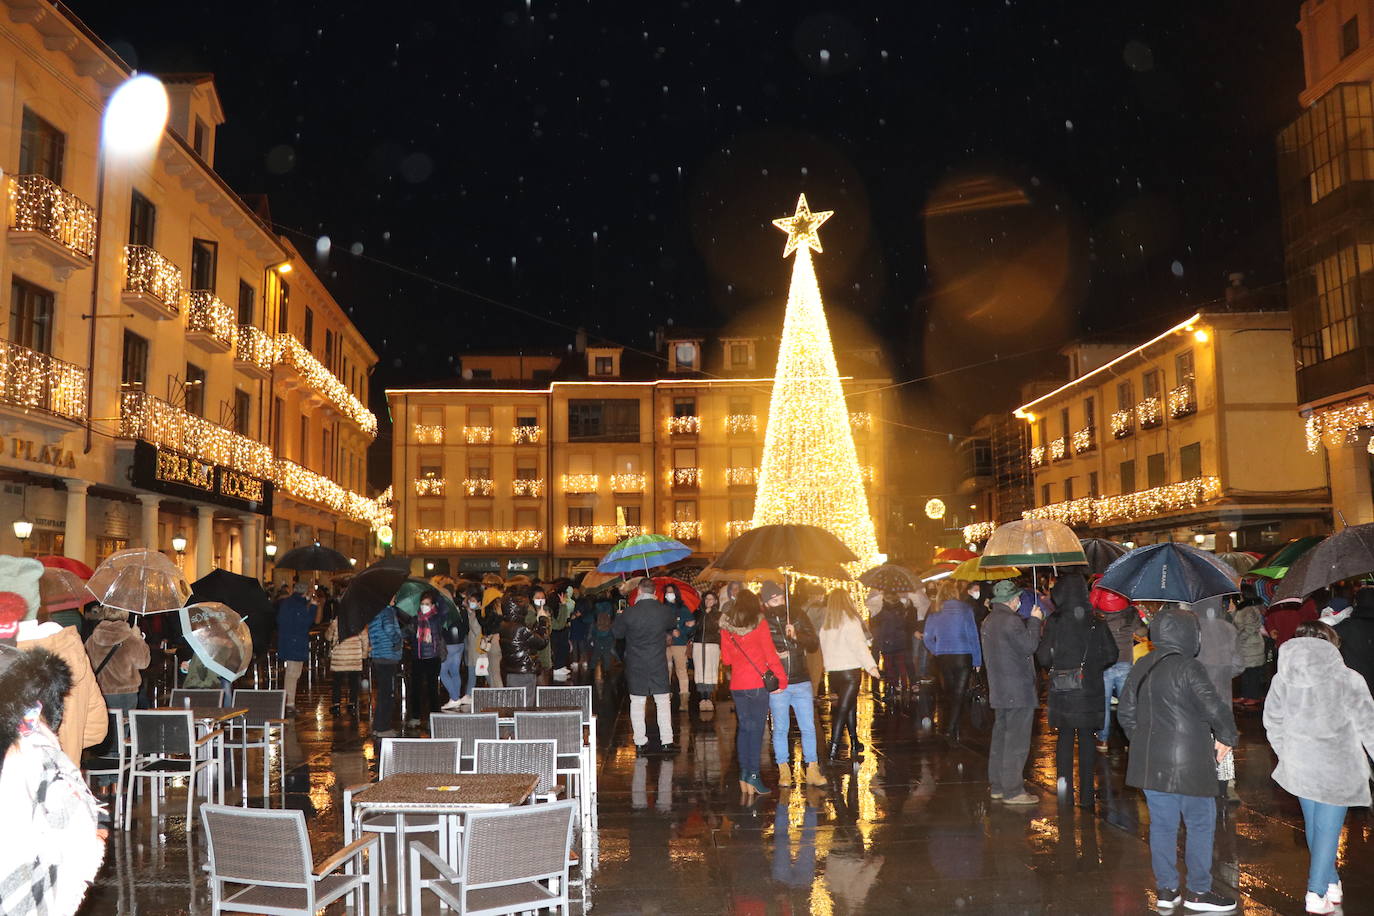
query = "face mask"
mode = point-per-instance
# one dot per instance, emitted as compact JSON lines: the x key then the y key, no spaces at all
{"x":671,"y":598}
{"x":473,"y":605}
{"x":426,"y":607}
{"x":974,"y":593}
{"x":538,"y":602}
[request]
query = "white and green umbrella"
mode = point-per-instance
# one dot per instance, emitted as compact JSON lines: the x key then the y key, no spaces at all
{"x":1033,"y":542}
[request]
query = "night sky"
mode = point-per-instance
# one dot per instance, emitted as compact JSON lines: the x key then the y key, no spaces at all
{"x":1006,"y":175}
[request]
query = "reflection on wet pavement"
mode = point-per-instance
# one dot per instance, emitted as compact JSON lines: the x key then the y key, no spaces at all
{"x":908,"y":827}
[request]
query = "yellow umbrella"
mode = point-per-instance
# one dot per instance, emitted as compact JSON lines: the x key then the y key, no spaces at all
{"x":970,"y":571}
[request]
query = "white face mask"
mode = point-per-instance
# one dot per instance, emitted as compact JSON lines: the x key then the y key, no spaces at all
{"x":974,"y":593}
{"x":473,"y":604}
{"x":672,"y":599}
{"x":538,"y":602}
{"x":426,"y":607}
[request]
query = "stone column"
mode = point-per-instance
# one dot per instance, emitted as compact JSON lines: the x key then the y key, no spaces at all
{"x":250,"y":543}
{"x":1352,"y":499}
{"x":205,"y":540}
{"x":75,"y":537}
{"x":149,"y":533}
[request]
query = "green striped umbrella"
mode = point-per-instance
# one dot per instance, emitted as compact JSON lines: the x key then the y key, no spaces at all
{"x":1033,"y":542}
{"x":642,"y":552}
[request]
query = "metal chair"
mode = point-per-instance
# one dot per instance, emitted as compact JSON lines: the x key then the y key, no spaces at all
{"x":484,"y":698}
{"x":514,"y":756}
{"x":264,"y":726}
{"x":199,"y":696}
{"x":514,"y":860}
{"x":261,"y":862}
{"x":565,"y":728}
{"x":566,"y":696}
{"x":115,"y":762}
{"x":469,"y":727}
{"x":165,"y":747}
{"x":582,"y":697}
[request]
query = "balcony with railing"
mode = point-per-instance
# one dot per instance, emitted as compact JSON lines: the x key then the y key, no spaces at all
{"x":1059,"y":449}
{"x":685,"y":478}
{"x":51,"y":222}
{"x":477,"y":435}
{"x":1084,"y":440}
{"x":737,"y":527}
{"x":30,"y":380}
{"x":210,"y":324}
{"x":580,"y":483}
{"x":1149,"y":413}
{"x":685,"y":531}
{"x":430,"y":486}
{"x":432,"y":434}
{"x":741,"y":477}
{"x":1037,"y":456}
{"x":527,"y":487}
{"x":255,"y":351}
{"x":526,"y":435}
{"x":478,"y":486}
{"x":577,"y":534}
{"x":152,"y":284}
{"x":312,"y":374}
{"x":479,"y":539}
{"x":1183,"y":400}
{"x":684,"y":426}
{"x":741,"y":424}
{"x":151,"y":419}
{"x":1123,"y":424}
{"x":305,"y":485}
{"x":627,"y":483}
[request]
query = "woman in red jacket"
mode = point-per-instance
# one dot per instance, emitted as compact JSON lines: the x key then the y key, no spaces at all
{"x":747,"y":647}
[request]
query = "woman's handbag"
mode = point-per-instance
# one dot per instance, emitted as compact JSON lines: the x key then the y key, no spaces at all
{"x":770,"y":680}
{"x":1066,"y":680}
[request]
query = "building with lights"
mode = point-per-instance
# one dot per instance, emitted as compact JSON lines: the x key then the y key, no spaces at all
{"x":1326,"y":193}
{"x":1191,"y":435}
{"x":172,"y":374}
{"x":538,"y":463}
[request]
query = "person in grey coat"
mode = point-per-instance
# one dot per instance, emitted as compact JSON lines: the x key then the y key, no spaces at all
{"x":1319,"y":718}
{"x":645,"y":626}
{"x":1220,"y":655}
{"x":1249,"y":623}
{"x":1009,"y":643}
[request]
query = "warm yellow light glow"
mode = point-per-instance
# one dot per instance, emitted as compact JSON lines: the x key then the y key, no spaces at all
{"x":149,"y":273}
{"x":284,"y":267}
{"x":1123,"y":423}
{"x":1182,"y":400}
{"x":37,"y":381}
{"x":527,"y":486}
{"x":40,"y":205}
{"x":627,"y":483}
{"x":1149,"y":413}
{"x":526,"y":435}
{"x":207,"y":314}
{"x":737,"y":527}
{"x":810,"y":472}
{"x":429,"y":435}
{"x":294,"y":354}
{"x":447,"y":539}
{"x":477,"y":435}
{"x":1340,"y":425}
{"x":1200,"y":335}
{"x":738,"y":423}
{"x":1127,"y":507}
{"x":684,"y":426}
{"x":580,"y":483}
{"x":1084,"y":440}
{"x":741,"y":477}
{"x":478,"y":486}
{"x":685,"y":478}
{"x":935,"y":508}
{"x":860,"y":420}
{"x":685,"y":531}
{"x":978,"y":531}
{"x":430,"y":486}
{"x":135,"y":116}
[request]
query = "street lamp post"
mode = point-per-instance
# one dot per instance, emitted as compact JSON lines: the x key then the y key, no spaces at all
{"x":179,"y":545}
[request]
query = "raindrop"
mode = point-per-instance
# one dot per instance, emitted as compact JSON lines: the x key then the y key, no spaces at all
{"x":1176,"y":268}
{"x":1068,"y":125}
{"x":356,"y":248}
{"x":825,"y":57}
{"x":322,"y":246}
{"x":386,"y":236}
{"x":803,"y":171}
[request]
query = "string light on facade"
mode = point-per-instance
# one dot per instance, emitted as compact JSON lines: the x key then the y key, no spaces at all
{"x":304,"y":484}
{"x":478,"y":486}
{"x":1037,"y":456}
{"x":255,"y":347}
{"x":477,"y":435}
{"x":1122,"y":425}
{"x":148,"y":273}
{"x":577,"y":534}
{"x":527,"y":486}
{"x":1338,"y":426}
{"x":1148,"y":413}
{"x":1182,"y":401}
{"x":741,"y":477}
{"x":935,"y":509}
{"x":430,"y":486}
{"x":1129,"y":507}
{"x":448,"y":539}
{"x":684,"y":426}
{"x":580,"y":483}
{"x":810,"y":471}
{"x":1058,"y":449}
{"x":978,"y":532}
{"x":294,"y":354}
{"x":685,"y":531}
{"x":685,"y":478}
{"x":627,"y":483}
{"x":526,"y":435}
{"x":860,"y":420}
{"x":40,"y":205}
{"x":207,"y":314}
{"x":741,"y":423}
{"x":37,"y":381}
{"x":737,"y":527}
{"x":429,"y":435}
{"x":1084,"y":440}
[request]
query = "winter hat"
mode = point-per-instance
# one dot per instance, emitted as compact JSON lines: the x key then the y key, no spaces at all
{"x":18,"y":593}
{"x":1004,"y":589}
{"x":300,"y":588}
{"x":770,"y":591}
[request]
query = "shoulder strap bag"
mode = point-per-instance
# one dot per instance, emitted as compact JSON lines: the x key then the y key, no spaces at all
{"x":770,"y":680}
{"x":1066,"y":680}
{"x":106,"y":660}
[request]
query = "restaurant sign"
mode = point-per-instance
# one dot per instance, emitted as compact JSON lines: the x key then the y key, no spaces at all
{"x":175,"y":474}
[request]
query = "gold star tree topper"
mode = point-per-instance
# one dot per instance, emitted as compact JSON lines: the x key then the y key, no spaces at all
{"x":801,"y":227}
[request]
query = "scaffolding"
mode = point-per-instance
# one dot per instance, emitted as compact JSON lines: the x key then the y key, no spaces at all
{"x":1012,"y":483}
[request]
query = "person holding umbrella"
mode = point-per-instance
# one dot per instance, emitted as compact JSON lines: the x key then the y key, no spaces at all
{"x":1009,"y":644}
{"x":680,"y":643}
{"x":952,"y":637}
{"x":644,"y":626}
{"x":793,"y":637}
{"x":296,"y":614}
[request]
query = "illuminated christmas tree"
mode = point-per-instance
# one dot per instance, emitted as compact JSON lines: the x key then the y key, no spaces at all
{"x":810,"y":471}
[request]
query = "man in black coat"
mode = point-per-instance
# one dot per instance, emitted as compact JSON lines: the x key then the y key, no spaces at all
{"x":645,"y":626}
{"x":1357,"y":636}
{"x":1179,"y":730}
{"x":1009,"y":643}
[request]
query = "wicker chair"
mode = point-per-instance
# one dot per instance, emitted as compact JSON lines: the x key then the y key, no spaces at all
{"x":565,"y":697}
{"x":115,"y":762}
{"x":165,"y":747}
{"x":565,"y":728}
{"x":469,"y":727}
{"x":582,"y":697}
{"x":513,"y":756}
{"x":199,"y":696}
{"x":484,"y":698}
{"x":264,"y":725}
{"x":260,"y":862}
{"x":514,"y":860}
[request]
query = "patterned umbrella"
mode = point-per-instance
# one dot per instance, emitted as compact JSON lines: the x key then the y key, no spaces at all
{"x":973,"y":571}
{"x":1170,"y":572}
{"x":642,"y":552}
{"x":1033,"y":542}
{"x":140,"y":581}
{"x":219,"y":637}
{"x":890,"y":578}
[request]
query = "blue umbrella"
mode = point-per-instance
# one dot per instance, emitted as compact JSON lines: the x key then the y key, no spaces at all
{"x":1170,"y":572}
{"x":641,"y":552}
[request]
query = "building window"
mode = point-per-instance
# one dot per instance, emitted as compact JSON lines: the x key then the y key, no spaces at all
{"x":1324,"y":293}
{"x":1064,"y":429}
{"x":741,"y":405}
{"x":527,"y":519}
{"x":195,"y":389}
{"x":1042,"y":428}
{"x":200,"y":139}
{"x":1068,"y":489}
{"x":684,"y":457}
{"x":1089,"y":412}
{"x":741,"y":508}
{"x":284,"y":309}
{"x":1190,"y":461}
{"x":1156,"y":471}
{"x":685,"y":356}
{"x":1046,"y":492}
{"x":684,"y":510}
{"x":329,"y":349}
{"x":305,"y":440}
{"x":204,"y":255}
{"x":739,"y":356}
{"x":247,"y":296}
{"x":31,"y":312}
{"x":603,"y":365}
{"x":278,"y":425}
{"x":610,"y":420}
{"x":243,"y":413}
{"x":308,"y":335}
{"x":1150,"y":384}
{"x":479,"y":467}
{"x":479,"y":519}
{"x":1125,"y":395}
{"x":133,"y":372}
{"x":526,"y":468}
{"x":684,"y":407}
{"x":1350,"y":36}
{"x":42,"y":148}
{"x":431,"y":471}
{"x":628,"y":515}
{"x":142,"y":220}
{"x":1093,"y":491}
{"x":579,"y":516}
{"x":1183,"y":367}
{"x":1128,"y":476}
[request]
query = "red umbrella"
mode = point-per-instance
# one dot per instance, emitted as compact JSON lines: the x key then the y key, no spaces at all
{"x":954,"y":555}
{"x":67,"y":563}
{"x":686,"y":593}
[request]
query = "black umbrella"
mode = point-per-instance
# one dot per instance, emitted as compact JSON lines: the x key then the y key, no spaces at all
{"x":243,"y":594}
{"x":890,"y":578}
{"x":315,"y":558}
{"x":1101,"y":553}
{"x":803,"y":549}
{"x":1170,"y":572}
{"x":1344,"y":555}
{"x":370,"y":591}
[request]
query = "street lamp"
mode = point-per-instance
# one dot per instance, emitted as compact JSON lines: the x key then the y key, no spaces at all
{"x":179,"y":544}
{"x":23,"y":528}
{"x":270,"y":550}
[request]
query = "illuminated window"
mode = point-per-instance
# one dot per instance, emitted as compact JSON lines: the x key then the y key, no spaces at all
{"x":1183,"y":367}
{"x":604,"y":365}
{"x":195,"y":390}
{"x":31,"y":314}
{"x":684,"y":510}
{"x":739,"y":357}
{"x":1125,"y":395}
{"x":684,"y":407}
{"x":42,"y":148}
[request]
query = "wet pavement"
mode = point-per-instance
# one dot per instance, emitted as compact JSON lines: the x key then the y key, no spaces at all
{"x":907,"y":828}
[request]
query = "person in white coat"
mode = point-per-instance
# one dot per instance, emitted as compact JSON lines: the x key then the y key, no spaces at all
{"x":1319,"y":717}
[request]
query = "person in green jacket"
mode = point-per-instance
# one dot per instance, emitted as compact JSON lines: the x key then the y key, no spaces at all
{"x":558,"y":620}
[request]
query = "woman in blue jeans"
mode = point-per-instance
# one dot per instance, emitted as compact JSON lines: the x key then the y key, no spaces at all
{"x":1320,"y":721}
{"x":747,"y":647}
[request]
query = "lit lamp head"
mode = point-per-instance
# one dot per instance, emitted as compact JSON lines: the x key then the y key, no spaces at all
{"x":135,"y":117}
{"x":179,"y":542}
{"x":270,"y":550}
{"x":1199,"y":538}
{"x":23,"y":528}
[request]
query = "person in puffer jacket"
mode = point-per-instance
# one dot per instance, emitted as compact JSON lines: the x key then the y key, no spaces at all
{"x":346,"y":665}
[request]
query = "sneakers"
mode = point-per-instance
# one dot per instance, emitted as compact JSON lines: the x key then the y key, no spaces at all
{"x":995,"y":795}
{"x":1316,"y":903}
{"x":1334,"y":893}
{"x":1025,"y":798}
{"x":641,"y":750}
{"x":451,"y":705}
{"x":1166,"y":898}
{"x":707,"y":705}
{"x":1210,"y":902}
{"x":561,"y":675}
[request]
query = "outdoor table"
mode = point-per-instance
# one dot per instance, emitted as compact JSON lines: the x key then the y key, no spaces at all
{"x":434,"y":794}
{"x":208,"y":718}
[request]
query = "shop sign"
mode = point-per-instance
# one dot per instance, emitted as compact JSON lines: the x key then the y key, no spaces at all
{"x":53,"y":456}
{"x":169,"y":472}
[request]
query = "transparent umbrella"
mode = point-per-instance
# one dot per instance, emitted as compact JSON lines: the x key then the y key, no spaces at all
{"x":140,"y":581}
{"x":219,"y":637}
